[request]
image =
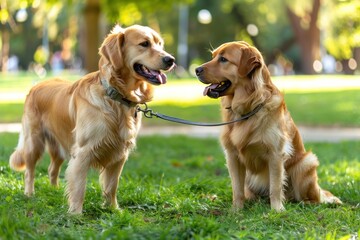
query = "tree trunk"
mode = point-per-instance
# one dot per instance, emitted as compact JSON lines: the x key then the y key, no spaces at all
{"x":91,"y":35}
{"x":307,"y":35}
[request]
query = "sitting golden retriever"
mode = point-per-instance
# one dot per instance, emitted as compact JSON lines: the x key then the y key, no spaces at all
{"x":93,"y":121}
{"x":265,"y":153}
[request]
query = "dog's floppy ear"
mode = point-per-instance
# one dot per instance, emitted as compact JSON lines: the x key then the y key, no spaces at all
{"x":249,"y":62}
{"x":110,"y":50}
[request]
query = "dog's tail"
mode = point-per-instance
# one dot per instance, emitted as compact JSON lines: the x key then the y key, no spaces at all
{"x":17,"y":161}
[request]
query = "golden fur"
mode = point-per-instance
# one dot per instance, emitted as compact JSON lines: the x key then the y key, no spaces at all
{"x":79,"y":121}
{"x":265,"y":154}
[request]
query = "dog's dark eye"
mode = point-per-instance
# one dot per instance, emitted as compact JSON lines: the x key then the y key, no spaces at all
{"x":222,"y":59}
{"x":145,"y":44}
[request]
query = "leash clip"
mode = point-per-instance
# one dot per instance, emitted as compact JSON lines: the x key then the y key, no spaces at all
{"x":148,"y":113}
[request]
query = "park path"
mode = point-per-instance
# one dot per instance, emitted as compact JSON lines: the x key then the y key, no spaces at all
{"x":309,"y":134}
{"x":191,"y":91}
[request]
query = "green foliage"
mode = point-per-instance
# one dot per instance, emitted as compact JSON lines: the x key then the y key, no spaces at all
{"x":178,"y":188}
{"x":343,"y":29}
{"x":130,"y":12}
{"x":8,"y":8}
{"x":300,"y":7}
{"x":230,"y":19}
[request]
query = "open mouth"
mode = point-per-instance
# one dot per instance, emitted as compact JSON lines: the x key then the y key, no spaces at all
{"x":216,"y":90}
{"x":152,"y":76}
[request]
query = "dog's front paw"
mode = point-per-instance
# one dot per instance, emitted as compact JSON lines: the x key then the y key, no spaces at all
{"x":75,"y":207}
{"x":29,"y":193}
{"x":278,"y":207}
{"x":237,"y":205}
{"x":75,"y":211}
{"x":110,"y":205}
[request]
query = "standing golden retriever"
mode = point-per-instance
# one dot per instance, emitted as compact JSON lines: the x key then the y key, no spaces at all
{"x":265,"y":154}
{"x":93,"y":121}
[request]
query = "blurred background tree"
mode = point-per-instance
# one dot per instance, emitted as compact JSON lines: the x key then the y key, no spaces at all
{"x":294,"y":36}
{"x":303,"y":17}
{"x":342,"y":35}
{"x":8,"y":24}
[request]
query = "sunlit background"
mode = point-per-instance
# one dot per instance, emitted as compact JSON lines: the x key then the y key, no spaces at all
{"x":295,"y":36}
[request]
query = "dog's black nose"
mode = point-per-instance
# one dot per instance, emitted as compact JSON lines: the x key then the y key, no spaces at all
{"x":199,"y":70}
{"x":168,"y":60}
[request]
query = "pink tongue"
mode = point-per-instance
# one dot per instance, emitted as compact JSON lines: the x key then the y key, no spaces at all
{"x":159,"y":75}
{"x":153,"y":72}
{"x":208,"y":88}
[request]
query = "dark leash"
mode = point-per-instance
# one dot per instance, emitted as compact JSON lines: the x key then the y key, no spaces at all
{"x":149,"y":113}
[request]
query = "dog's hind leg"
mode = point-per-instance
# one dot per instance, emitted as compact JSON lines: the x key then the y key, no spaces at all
{"x":305,"y":182}
{"x":109,"y":179}
{"x":57,"y":158}
{"x":304,"y":179}
{"x":29,"y":150}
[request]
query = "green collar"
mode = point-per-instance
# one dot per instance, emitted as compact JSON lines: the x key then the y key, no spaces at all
{"x":115,"y":95}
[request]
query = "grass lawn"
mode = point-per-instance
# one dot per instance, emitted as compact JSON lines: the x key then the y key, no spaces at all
{"x":178,"y":188}
{"x":324,"y":108}
{"x":315,"y":107}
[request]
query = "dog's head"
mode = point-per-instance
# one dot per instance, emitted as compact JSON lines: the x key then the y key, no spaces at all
{"x":234,"y":65}
{"x":132,"y":59}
